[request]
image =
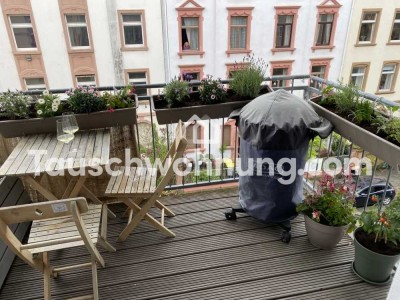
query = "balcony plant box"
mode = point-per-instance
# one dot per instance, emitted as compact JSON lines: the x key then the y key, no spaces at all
{"x":167,"y":115}
{"x":100,"y":119}
{"x":376,"y":145}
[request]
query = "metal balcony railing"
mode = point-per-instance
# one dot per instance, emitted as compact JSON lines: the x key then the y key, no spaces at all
{"x":302,"y":85}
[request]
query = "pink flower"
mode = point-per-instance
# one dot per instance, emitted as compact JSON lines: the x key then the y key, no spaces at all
{"x":315,"y":215}
{"x":344,"y":188}
{"x":111,"y":110}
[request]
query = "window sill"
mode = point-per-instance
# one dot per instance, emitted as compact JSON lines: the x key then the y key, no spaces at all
{"x":273,"y":50}
{"x":365,"y":45}
{"x":190,"y":52}
{"x":125,"y":48}
{"x":238,"y":51}
{"x":330,"y":47}
{"x":384,"y":92}
{"x":393,"y":43}
{"x":193,"y":150}
{"x":27,"y":52}
{"x":89,"y":50}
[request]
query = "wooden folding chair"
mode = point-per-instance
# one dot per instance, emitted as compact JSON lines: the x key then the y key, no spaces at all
{"x":136,"y":187}
{"x":56,"y":225}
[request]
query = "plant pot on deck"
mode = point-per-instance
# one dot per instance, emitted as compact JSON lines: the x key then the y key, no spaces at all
{"x":370,"y":142}
{"x":371,"y":266}
{"x":167,"y":115}
{"x":101,"y":119}
{"x":324,"y":236}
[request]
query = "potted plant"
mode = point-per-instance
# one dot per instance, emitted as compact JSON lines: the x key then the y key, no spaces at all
{"x":361,"y":121}
{"x":21,"y":116}
{"x":212,"y":99}
{"x":329,"y":212}
{"x":377,"y":243}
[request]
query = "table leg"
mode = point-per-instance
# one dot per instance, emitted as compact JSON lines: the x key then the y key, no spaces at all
{"x":38,"y":187}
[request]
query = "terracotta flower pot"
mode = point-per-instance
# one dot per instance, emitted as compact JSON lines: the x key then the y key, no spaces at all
{"x":323,"y":236}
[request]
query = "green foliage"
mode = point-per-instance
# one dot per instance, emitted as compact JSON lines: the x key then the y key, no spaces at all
{"x":120,"y":99}
{"x":332,"y":204}
{"x":346,"y":98}
{"x":176,"y":92}
{"x":48,"y":106}
{"x":161,"y":147}
{"x":85,"y":100}
{"x":391,"y":126}
{"x":248,"y":76}
{"x":14,"y":105}
{"x":328,"y":98}
{"x":364,"y":111}
{"x":385,"y":225}
{"x":211,"y":91}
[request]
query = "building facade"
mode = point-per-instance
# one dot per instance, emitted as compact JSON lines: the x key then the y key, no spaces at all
{"x":372,"y":55}
{"x":291,"y":36}
{"x":57,"y":44}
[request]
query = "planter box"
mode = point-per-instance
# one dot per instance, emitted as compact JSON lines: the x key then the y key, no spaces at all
{"x":212,"y":111}
{"x":370,"y":142}
{"x":101,"y":119}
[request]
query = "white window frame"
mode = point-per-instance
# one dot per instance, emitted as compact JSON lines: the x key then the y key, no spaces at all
{"x":87,"y":83}
{"x":77,"y":25}
{"x":38,"y":87}
{"x":232,"y":27}
{"x":396,"y":21}
{"x":132,"y":23}
{"x":387,"y":73}
{"x":373,"y":22}
{"x":22,"y":25}
{"x":281,"y":82}
{"x":139,"y":80}
{"x":358,"y":74}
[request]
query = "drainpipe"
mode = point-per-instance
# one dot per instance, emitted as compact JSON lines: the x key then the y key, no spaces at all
{"x":164,"y":22}
{"x":347,"y":39}
{"x":115,"y":42}
{"x":214,"y":56}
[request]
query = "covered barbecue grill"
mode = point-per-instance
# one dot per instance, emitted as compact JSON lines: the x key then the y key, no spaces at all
{"x":274,"y":126}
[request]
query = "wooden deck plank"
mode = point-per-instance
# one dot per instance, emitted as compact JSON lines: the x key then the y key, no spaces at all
{"x":210,"y":258}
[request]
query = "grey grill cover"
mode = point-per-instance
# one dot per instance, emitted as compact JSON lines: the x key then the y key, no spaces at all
{"x":275,"y":125}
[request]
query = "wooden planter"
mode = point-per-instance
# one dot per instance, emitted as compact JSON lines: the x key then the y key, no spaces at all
{"x":101,"y":119}
{"x":208,"y":111}
{"x":370,"y":142}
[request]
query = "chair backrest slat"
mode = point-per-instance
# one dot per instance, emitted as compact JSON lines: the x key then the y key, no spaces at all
{"x":41,"y":211}
{"x":179,"y":146}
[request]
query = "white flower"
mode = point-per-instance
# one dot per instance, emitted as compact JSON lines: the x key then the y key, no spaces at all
{"x":56,"y":101}
{"x":212,"y":97}
{"x":54,"y":107}
{"x":41,"y":101}
{"x":45,"y":92}
{"x":39,"y":112}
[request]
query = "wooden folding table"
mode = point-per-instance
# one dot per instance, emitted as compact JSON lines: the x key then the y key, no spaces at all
{"x":89,"y":149}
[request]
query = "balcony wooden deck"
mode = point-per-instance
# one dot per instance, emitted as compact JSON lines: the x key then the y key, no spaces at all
{"x":210,"y":258}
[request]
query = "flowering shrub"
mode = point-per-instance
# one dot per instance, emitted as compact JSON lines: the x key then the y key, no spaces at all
{"x":176,"y":92}
{"x":248,"y":76}
{"x":14,"y":105}
{"x":48,"y":106}
{"x":211,"y":91}
{"x":332,"y":204}
{"x":85,"y":100}
{"x":120,"y":98}
{"x":384,"y":225}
